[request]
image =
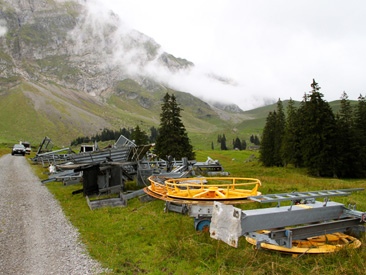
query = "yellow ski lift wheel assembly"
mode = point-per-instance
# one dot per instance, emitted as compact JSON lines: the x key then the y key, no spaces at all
{"x":316,"y":245}
{"x":229,"y":190}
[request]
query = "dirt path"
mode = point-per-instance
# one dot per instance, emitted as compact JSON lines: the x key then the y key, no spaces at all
{"x":35,"y":236}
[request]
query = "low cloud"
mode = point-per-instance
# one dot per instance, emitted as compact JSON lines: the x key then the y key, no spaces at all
{"x":102,"y":35}
{"x":3,"y":29}
{"x":202,"y":84}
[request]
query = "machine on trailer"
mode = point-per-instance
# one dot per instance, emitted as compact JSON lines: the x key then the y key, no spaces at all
{"x":306,"y":226}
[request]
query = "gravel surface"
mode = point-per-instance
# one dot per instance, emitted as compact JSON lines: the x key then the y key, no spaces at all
{"x":35,"y":236}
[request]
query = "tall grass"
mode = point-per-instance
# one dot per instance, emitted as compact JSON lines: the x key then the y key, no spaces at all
{"x":141,"y":238}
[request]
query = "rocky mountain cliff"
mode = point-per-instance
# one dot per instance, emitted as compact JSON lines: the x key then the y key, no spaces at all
{"x":64,"y":42}
{"x":81,"y":70}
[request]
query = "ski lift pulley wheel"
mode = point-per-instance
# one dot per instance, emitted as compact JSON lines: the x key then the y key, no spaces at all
{"x":196,"y":189}
{"x":316,"y":245}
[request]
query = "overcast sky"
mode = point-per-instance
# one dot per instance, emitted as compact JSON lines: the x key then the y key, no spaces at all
{"x":271,"y":48}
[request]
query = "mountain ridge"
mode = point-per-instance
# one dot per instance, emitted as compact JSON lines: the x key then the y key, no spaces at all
{"x":75,"y":73}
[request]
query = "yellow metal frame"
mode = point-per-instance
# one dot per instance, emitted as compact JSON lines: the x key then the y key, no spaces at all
{"x":228,"y":189}
{"x":321,"y":244}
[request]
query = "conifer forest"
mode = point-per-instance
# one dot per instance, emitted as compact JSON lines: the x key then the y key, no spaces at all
{"x":312,"y":136}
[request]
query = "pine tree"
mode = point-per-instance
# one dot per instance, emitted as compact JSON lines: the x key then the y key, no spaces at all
{"x":223,"y":142}
{"x":267,"y":150}
{"x":237,"y":144}
{"x":272,"y":137}
{"x":291,"y":150}
{"x":126,"y":133}
{"x":279,"y":132}
{"x":243,"y":145}
{"x":172,"y":139}
{"x":212,"y":146}
{"x":360,"y":126}
{"x":317,"y":132}
{"x":153,"y":134}
{"x":344,"y":121}
{"x":256,"y":140}
{"x":139,"y":137}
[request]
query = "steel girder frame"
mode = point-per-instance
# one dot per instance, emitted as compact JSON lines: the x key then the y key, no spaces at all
{"x":229,"y":223}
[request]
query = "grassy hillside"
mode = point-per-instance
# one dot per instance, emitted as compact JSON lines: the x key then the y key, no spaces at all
{"x":29,"y":111}
{"x":33,"y":110}
{"x":139,"y":100}
{"x":258,"y":116}
{"x":141,"y":238}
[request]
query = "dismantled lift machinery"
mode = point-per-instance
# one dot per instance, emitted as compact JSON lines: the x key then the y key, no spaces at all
{"x":196,"y":196}
{"x":105,"y":171}
{"x":306,"y":226}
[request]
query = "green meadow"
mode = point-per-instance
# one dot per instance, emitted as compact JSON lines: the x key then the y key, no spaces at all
{"x":142,"y":238}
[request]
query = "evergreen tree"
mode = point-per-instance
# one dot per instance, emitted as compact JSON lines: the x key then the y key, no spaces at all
{"x":172,"y":139}
{"x":139,"y":137}
{"x":212,"y":146}
{"x":116,"y":134}
{"x":153,"y":134}
{"x":223,"y":143}
{"x":360,"y":126}
{"x":256,"y":140}
{"x":243,"y":145}
{"x":272,"y":137}
{"x":360,"y":114}
{"x":251,"y":139}
{"x":314,"y":138}
{"x":347,"y":144}
{"x":267,"y":150}
{"x":291,"y":150}
{"x":237,"y":144}
{"x":317,"y":132}
{"x":105,"y":135}
{"x":125,"y":132}
{"x":279,"y":132}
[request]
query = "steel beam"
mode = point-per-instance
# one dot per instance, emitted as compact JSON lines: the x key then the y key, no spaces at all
{"x":229,"y":223}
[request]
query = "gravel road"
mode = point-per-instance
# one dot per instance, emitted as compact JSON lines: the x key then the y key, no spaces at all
{"x":35,"y":236}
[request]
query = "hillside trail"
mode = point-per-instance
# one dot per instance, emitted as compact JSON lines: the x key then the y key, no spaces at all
{"x":35,"y":236}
